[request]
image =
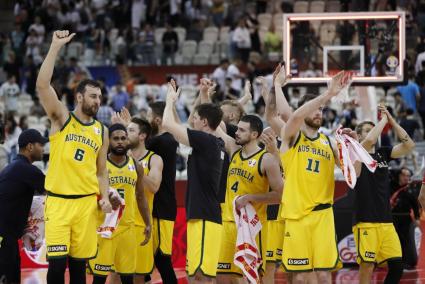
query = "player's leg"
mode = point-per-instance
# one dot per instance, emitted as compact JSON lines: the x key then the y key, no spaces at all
{"x":97,"y":279}
{"x":58,"y":215}
{"x":227,"y":271}
{"x":390,"y":252}
{"x":275,"y":231}
{"x":163,"y":239}
{"x":77,"y":270}
{"x":114,"y":278}
{"x":365,"y":272}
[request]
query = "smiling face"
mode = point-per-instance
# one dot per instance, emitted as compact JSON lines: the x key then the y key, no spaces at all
{"x":90,"y":100}
{"x":314,"y":120}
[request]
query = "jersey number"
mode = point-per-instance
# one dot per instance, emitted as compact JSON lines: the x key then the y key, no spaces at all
{"x":121,"y":192}
{"x":310,"y":164}
{"x":79,"y":155}
{"x":235,"y":186}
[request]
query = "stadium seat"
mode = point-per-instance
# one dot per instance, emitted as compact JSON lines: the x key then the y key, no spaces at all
{"x":333,"y":6}
{"x":205,"y":47}
{"x":210,"y":34}
{"x":31,"y":120}
{"x":181,"y":33}
{"x":265,"y":19}
{"x":215,"y":59}
{"x":278,"y":20}
{"x":74,"y":49}
{"x":200,"y":59}
{"x":301,"y":7}
{"x":158,"y":35}
{"x":224,"y":33}
{"x":317,"y":6}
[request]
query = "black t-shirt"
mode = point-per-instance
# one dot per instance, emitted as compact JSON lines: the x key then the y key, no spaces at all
{"x":18,"y":182}
{"x":410,"y":125}
{"x":372,"y":191}
{"x":204,"y":168}
{"x":231,"y":130}
{"x":164,"y":202}
{"x":223,"y":180}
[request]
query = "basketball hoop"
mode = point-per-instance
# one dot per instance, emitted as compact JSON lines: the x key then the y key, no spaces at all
{"x":344,"y":94}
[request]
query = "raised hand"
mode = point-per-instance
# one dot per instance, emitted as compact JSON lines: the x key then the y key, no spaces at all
{"x":60,"y":38}
{"x":338,"y":82}
{"x":172,"y":93}
{"x":264,"y":88}
{"x":268,"y":138}
{"x":279,"y":76}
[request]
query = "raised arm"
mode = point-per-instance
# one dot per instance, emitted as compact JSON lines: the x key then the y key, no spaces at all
{"x":102,"y":173}
{"x":229,"y":143}
{"x":153,"y":180}
{"x":279,"y":81}
{"x":270,"y":167}
{"x":56,"y":111}
{"x":271,"y":113}
{"x":372,"y":137}
{"x":247,"y":94}
{"x":142,"y":203}
{"x":296,"y":120}
{"x":169,"y":122}
{"x":406,"y":144}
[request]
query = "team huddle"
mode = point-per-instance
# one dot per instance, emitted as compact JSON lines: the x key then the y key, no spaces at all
{"x":285,"y":171}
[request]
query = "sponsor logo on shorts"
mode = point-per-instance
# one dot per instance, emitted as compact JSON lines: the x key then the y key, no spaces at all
{"x":279,"y":252}
{"x":365,"y":233}
{"x":223,"y":265}
{"x":100,"y":267}
{"x":369,"y":254}
{"x":287,"y":234}
{"x":269,"y":253}
{"x":58,"y":248}
{"x":298,"y":261}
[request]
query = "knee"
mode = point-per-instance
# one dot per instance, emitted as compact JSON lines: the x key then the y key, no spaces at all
{"x":324,"y":277}
{"x":395,"y":266}
{"x":57,"y":264}
{"x":367,"y":268}
{"x":299,"y":278}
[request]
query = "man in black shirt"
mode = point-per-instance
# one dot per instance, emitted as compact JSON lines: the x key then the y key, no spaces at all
{"x":374,"y":232}
{"x":204,"y":172}
{"x":18,"y":182}
{"x":164,"y":204}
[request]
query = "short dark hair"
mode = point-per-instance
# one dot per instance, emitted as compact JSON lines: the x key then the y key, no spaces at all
{"x":306,"y":98}
{"x":116,"y":126}
{"x":255,"y":123}
{"x":409,"y":111}
{"x":359,"y":126}
{"x":212,"y":113}
{"x":144,"y":126}
{"x":157,"y":108}
{"x":81,"y":87}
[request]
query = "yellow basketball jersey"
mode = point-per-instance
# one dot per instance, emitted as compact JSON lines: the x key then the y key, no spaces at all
{"x":245,"y":177}
{"x":124,"y":178}
{"x":309,"y":176}
{"x":73,"y":156}
{"x":146,"y":163}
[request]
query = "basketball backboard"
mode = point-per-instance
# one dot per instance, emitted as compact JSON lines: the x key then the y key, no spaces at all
{"x":371,"y":45}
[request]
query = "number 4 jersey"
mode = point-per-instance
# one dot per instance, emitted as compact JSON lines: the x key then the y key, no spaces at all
{"x":73,"y":155}
{"x":245,"y":177}
{"x":309,"y":176}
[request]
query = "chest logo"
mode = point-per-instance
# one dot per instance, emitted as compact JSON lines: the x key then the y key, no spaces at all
{"x":96,"y":130}
{"x":252,"y":163}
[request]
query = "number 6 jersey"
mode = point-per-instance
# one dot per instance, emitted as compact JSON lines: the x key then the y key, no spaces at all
{"x":309,"y":175}
{"x":73,"y":155}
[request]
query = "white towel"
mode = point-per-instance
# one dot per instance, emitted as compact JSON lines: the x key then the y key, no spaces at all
{"x":350,"y":151}
{"x":247,"y":256}
{"x":111,"y":219}
{"x":33,"y":237}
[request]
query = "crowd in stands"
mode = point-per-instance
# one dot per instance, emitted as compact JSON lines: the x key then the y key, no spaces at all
{"x":240,"y":37}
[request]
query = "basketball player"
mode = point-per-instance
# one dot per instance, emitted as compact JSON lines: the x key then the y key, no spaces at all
{"x":252,"y":172}
{"x":125,"y":175}
{"x":164,"y":210}
{"x":204,"y":172}
{"x":138,"y":132}
{"x":308,"y":160}
{"x":77,"y":172}
{"x":376,"y":238}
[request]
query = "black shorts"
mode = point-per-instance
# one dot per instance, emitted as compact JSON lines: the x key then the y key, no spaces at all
{"x":10,"y":261}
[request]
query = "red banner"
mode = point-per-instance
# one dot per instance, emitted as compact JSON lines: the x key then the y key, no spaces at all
{"x":184,"y":75}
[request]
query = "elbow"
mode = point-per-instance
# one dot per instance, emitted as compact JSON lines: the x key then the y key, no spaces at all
{"x":411,"y":145}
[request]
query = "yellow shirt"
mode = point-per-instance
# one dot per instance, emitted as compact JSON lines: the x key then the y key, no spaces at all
{"x":146,"y":163}
{"x":309,"y":176}
{"x":124,"y":178}
{"x":245,"y":177}
{"x":73,"y":156}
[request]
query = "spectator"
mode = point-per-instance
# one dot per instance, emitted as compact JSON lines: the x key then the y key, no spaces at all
{"x":410,"y":93}
{"x":220,"y":73}
{"x":400,"y":106}
{"x":138,"y":13}
{"x":23,"y":122}
{"x":236,"y":76}
{"x":148,"y":51}
{"x":33,"y":43}
{"x":229,"y":93}
{"x":120,"y":99}
{"x":105,"y":112}
{"x":195,"y":31}
{"x":403,"y":201}
{"x":12,"y":132}
{"x":17,"y":37}
{"x":9,"y":92}
{"x":242,"y":39}
{"x":29,"y":73}
{"x":272,"y":41}
{"x":11,"y":67}
{"x":39,"y":28}
{"x":170,"y":43}
{"x":217,"y":12}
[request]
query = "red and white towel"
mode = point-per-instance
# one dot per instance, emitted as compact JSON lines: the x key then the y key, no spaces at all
{"x":33,"y":237}
{"x":350,"y":151}
{"x":247,"y":256}
{"x":112,"y":219}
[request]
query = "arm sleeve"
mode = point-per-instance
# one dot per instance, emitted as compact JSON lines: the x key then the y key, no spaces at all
{"x":37,"y":181}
